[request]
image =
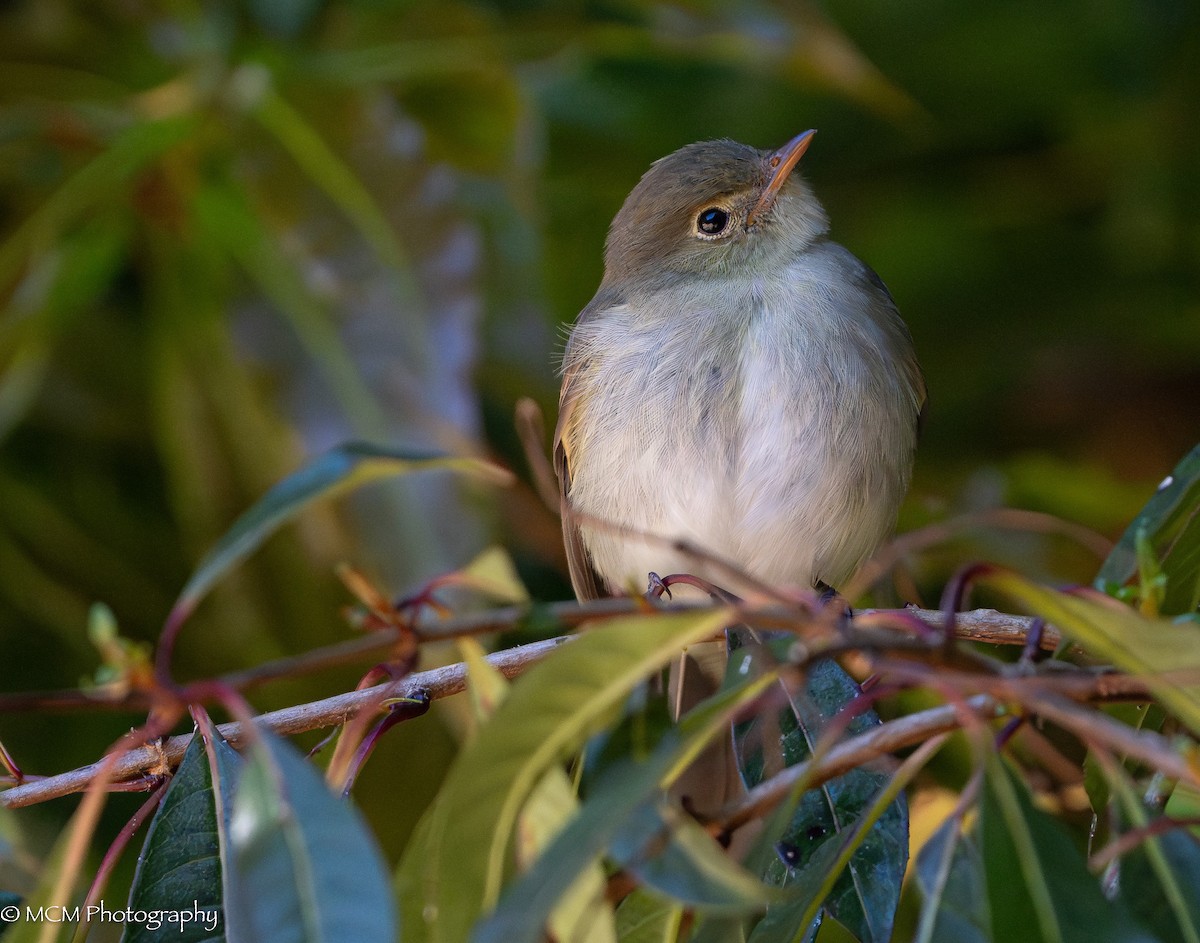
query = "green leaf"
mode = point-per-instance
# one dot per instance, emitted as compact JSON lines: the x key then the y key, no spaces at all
{"x":1038,"y":885}
{"x":720,"y":929}
{"x":66,"y":279}
{"x":548,"y":713}
{"x":1159,"y":877}
{"x":643,"y":917}
{"x":1160,"y":883}
{"x":97,"y":181}
{"x":785,"y":923}
{"x":582,"y":914}
{"x":180,"y":861}
{"x":338,"y":181}
{"x":339,"y":470}
{"x":668,"y":851}
{"x":949,"y":871}
{"x":613,"y":798}
{"x":228,"y":221}
{"x":303,"y":867}
{"x":865,"y":897}
{"x":1155,"y":649}
{"x":1170,"y":524}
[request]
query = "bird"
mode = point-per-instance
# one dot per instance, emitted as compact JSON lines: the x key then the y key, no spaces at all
{"x":741,"y":395}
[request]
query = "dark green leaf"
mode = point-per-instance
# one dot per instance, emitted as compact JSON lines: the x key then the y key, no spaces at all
{"x":1038,"y":885}
{"x":1160,"y":883}
{"x":336,"y":471}
{"x":303,"y":867}
{"x":180,"y":862}
{"x":1170,"y":523}
{"x":668,"y":851}
{"x":949,"y":871}
{"x":864,"y":898}
{"x":784,"y":924}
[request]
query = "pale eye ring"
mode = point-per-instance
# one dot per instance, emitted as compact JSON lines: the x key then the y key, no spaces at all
{"x":712,"y":221}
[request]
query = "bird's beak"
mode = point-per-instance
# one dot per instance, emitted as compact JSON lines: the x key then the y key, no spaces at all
{"x":781,"y":164}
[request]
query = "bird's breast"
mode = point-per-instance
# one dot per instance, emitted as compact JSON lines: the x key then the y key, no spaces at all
{"x":739,"y":422}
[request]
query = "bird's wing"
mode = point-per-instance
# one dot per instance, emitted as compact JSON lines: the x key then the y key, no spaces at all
{"x":587,"y":582}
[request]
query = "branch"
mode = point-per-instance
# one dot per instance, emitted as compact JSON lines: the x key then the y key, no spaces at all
{"x":160,"y":758}
{"x":845,"y":756}
{"x":978,"y":625}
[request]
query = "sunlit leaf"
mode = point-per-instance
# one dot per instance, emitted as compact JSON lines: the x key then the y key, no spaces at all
{"x":492,"y":573}
{"x":582,"y":914}
{"x":486,"y":687}
{"x":548,"y":713}
{"x":180,"y":860}
{"x":643,"y":917}
{"x":303,"y":867}
{"x":613,"y":799}
{"x":1170,"y":524}
{"x":1038,"y":885}
{"x":864,"y":899}
{"x":1155,"y":649}
{"x":335,"y":472}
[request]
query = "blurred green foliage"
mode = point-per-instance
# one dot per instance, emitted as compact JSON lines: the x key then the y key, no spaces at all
{"x":235,"y":234}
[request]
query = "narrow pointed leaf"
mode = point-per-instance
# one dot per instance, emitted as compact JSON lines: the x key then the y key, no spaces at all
{"x":1151,"y":648}
{"x":548,"y":713}
{"x":303,"y":866}
{"x":613,"y":798}
{"x":582,"y":914}
{"x":339,"y":470}
{"x":1160,"y":882}
{"x":180,"y":861}
{"x":1038,"y":885}
{"x":1170,"y":522}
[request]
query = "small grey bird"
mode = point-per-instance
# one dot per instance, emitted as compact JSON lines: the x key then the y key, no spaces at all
{"x":739,"y":382}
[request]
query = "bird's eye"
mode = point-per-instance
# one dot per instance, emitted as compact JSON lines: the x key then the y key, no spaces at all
{"x":712,"y":221}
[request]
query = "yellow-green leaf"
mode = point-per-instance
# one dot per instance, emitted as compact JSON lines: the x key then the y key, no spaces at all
{"x":455,"y":874}
{"x":1155,"y":649}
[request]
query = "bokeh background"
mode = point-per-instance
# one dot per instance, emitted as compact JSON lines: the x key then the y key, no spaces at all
{"x":233,"y":235}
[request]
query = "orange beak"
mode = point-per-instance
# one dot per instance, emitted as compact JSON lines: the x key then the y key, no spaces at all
{"x":781,"y":163}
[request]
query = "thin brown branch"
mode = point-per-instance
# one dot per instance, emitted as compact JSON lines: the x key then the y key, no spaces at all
{"x":979,"y":625}
{"x":328,"y":712}
{"x":849,"y":754}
